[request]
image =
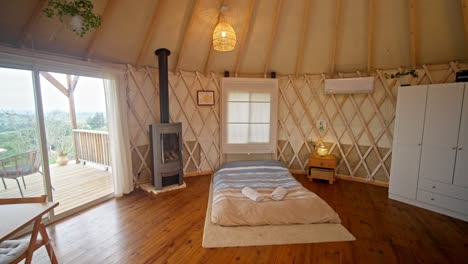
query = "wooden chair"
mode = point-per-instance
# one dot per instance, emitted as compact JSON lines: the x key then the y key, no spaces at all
{"x":20,"y":165}
{"x":14,"y":251}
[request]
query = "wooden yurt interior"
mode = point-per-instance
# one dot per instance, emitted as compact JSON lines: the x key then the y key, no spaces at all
{"x":238,"y":131}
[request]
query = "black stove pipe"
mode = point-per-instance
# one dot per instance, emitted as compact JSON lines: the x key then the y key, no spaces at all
{"x":163,"y":84}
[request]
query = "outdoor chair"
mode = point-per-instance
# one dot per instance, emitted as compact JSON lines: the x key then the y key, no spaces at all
{"x":20,"y":165}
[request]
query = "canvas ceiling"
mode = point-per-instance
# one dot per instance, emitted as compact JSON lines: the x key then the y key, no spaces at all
{"x":286,"y":36}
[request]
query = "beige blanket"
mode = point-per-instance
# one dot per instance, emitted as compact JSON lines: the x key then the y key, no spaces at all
{"x":300,"y":206}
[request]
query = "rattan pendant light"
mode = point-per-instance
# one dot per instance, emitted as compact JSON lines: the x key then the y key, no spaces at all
{"x":224,"y":36}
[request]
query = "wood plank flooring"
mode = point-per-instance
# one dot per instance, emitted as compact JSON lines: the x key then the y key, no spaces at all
{"x":168,"y":228}
{"x":74,"y":184}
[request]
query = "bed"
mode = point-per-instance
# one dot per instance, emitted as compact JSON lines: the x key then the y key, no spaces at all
{"x":231,"y":208}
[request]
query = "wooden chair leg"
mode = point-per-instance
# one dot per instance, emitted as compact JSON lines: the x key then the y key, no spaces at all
{"x":32,"y":242}
{"x":19,"y":187}
{"x":49,"y":248}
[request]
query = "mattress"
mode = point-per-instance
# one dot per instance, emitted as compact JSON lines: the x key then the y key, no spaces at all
{"x":231,"y":208}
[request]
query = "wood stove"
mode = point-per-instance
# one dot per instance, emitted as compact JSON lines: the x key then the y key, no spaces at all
{"x":167,"y":154}
{"x":166,"y":138}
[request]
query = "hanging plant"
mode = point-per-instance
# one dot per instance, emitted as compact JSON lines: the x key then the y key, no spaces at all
{"x":77,"y":15}
{"x":401,"y":73}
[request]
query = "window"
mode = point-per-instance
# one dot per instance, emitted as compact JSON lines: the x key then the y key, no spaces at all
{"x":249,"y":120}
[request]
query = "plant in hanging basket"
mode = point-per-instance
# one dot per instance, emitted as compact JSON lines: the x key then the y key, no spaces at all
{"x":77,"y":15}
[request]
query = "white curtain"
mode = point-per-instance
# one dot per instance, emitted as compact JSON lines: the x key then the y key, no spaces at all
{"x":116,"y":100}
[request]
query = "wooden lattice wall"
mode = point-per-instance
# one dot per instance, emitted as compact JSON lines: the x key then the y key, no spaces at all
{"x":359,"y":127}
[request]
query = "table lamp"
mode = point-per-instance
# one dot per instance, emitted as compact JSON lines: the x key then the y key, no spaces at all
{"x":322,"y":150}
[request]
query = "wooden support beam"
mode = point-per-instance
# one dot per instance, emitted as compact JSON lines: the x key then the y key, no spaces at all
{"x":74,"y":82}
{"x":150,"y":32}
{"x":71,"y":104}
{"x":56,"y":83}
{"x":187,"y":25}
{"x":412,"y":28}
{"x":248,"y":25}
{"x":305,"y":29}
{"x":336,"y":37}
{"x":108,"y":9}
{"x":274,"y":30}
{"x":210,"y":50}
{"x":370,"y":34}
{"x":464,"y":4}
{"x":26,"y":30}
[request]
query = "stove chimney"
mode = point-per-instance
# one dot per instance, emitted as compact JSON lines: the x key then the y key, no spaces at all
{"x":163,"y":84}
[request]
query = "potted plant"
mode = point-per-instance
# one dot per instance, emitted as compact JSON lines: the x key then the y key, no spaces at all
{"x":403,"y":76}
{"x":62,"y":158}
{"x":77,"y":14}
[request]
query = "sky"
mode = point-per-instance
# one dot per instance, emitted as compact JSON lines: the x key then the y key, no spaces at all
{"x":16,"y":93}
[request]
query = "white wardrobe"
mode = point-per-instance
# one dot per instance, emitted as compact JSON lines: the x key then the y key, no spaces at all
{"x":430,"y":148}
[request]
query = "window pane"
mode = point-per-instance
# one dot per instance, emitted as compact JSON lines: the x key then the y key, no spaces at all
{"x":259,"y":133}
{"x":237,"y":133}
{"x":238,"y":96}
{"x":260,"y":113}
{"x":20,"y":155}
{"x":260,"y":97}
{"x":238,"y":112}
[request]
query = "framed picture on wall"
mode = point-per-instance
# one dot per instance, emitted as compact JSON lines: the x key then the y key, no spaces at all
{"x":205,"y":97}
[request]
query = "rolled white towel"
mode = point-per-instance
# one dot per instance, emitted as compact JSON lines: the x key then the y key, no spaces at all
{"x":252,"y":194}
{"x":279,"y":193}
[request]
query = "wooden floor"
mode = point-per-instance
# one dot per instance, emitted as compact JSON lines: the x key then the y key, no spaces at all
{"x":169,"y":228}
{"x":74,"y":185}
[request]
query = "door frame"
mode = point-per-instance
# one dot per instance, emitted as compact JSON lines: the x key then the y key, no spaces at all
{"x":36,"y":66}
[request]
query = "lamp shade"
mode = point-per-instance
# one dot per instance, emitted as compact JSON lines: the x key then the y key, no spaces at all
{"x":322,"y":150}
{"x":224,"y":36}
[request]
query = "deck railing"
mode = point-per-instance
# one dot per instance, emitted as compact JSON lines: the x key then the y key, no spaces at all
{"x":92,"y":146}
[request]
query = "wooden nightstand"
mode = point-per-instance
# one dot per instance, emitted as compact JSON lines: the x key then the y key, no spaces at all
{"x":322,"y":167}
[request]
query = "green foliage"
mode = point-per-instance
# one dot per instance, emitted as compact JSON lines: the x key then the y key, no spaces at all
{"x":83,"y":8}
{"x":97,"y":121}
{"x":59,"y":134}
{"x":18,"y":133}
{"x":401,"y":73}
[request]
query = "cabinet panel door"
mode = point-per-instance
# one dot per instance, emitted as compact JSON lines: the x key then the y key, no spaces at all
{"x":411,"y":108}
{"x":405,"y":169}
{"x":461,"y":166}
{"x":437,"y":163}
{"x":441,"y":128}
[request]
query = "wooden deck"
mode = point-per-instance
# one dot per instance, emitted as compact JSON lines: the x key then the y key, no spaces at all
{"x":74,"y":185}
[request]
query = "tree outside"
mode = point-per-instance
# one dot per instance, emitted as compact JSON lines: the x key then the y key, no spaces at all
{"x":18,"y":131}
{"x":97,"y":122}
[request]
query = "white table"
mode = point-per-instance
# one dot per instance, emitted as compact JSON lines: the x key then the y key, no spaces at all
{"x":15,"y":217}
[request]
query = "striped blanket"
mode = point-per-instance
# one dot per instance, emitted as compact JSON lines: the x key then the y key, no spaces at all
{"x":255,"y":177}
{"x":230,"y":207}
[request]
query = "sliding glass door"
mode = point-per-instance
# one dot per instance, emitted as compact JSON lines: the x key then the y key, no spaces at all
{"x":54,"y":138}
{"x":77,"y":139}
{"x":21,"y":170}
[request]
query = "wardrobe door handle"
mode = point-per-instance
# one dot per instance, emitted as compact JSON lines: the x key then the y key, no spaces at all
{"x":460,"y":148}
{"x":420,"y":144}
{"x":454,"y":148}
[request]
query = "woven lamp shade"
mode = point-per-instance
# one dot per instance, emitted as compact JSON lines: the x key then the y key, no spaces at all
{"x":224,"y":37}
